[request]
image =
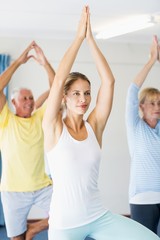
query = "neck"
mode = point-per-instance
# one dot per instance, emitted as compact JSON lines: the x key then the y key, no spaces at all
{"x":151,"y":122}
{"x":24,"y":116}
{"x":74,"y":124}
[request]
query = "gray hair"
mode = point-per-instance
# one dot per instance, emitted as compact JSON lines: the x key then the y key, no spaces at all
{"x":16,"y":91}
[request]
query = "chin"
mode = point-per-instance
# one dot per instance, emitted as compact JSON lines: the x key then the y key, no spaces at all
{"x":28,"y":114}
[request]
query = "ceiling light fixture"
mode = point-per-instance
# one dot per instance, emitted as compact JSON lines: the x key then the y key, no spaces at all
{"x":125,"y":26}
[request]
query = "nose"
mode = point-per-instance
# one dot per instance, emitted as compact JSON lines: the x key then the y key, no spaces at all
{"x":83,"y":98}
{"x":157,"y":106}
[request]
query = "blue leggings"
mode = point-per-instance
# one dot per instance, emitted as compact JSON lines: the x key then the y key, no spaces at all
{"x":108,"y":227}
{"x":148,"y":215}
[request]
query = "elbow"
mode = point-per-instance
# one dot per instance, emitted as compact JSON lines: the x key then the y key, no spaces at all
{"x":112,"y":82}
{"x":112,"y":79}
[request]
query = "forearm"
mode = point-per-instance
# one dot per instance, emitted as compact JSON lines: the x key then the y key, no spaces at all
{"x":50,"y":72}
{"x":102,"y":65}
{"x":5,"y":77}
{"x":62,"y":72}
{"x":51,"y":116}
{"x":141,"y":77}
{"x":106,"y":90}
{"x":39,"y":102}
{"x":56,"y":92}
{"x":68,"y":59}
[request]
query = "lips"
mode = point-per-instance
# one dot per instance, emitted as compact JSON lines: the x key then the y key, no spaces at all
{"x":83,"y":106}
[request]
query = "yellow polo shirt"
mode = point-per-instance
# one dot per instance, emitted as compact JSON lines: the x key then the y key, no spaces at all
{"x":21,"y":146}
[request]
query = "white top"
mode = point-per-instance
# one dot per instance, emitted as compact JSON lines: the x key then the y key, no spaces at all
{"x":74,"y":167}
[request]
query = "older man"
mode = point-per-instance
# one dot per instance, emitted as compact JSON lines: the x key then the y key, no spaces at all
{"x":24,"y":182}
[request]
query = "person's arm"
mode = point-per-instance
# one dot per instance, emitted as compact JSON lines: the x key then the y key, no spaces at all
{"x":52,"y":119}
{"x":6,"y":76}
{"x":42,"y":60}
{"x":159,"y":52}
{"x":100,"y":114}
{"x":41,"y":99}
{"x":154,"y":56}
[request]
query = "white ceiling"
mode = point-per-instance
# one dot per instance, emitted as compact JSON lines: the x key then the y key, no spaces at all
{"x":59,"y":18}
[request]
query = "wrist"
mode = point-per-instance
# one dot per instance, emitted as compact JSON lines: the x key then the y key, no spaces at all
{"x":79,"y":38}
{"x":152,"y":61}
{"x":46,"y":64}
{"x":18,"y":62}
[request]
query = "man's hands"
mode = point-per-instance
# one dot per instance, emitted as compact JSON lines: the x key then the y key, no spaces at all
{"x":38,"y":54}
{"x":24,"y":57}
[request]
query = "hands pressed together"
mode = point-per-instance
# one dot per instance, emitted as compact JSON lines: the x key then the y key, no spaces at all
{"x":84,"y":27}
{"x":155,"y":50}
{"x":38,"y":54}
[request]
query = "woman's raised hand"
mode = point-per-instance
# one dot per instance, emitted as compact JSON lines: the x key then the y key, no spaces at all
{"x":89,"y":34}
{"x":82,"y":26}
{"x":154,"y":51}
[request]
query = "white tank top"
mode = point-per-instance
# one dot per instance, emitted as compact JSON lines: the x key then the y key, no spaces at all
{"x":74,"y":167}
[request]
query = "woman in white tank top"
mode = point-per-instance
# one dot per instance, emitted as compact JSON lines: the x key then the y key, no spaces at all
{"x":73,"y":148}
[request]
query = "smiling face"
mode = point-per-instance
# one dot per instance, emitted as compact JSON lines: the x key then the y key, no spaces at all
{"x":24,"y":103}
{"x":78,"y":97}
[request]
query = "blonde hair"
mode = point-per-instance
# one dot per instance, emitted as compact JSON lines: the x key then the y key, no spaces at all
{"x":149,"y":94}
{"x":72,"y":77}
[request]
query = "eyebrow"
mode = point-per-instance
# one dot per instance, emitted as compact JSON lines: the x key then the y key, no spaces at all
{"x":80,"y":90}
{"x":152,"y":100}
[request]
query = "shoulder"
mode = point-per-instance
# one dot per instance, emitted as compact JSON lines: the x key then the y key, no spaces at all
{"x":39,"y":112}
{"x":5,"y":109}
{"x":5,"y":115}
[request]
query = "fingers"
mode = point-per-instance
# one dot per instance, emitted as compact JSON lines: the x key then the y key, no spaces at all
{"x":89,"y":30}
{"x":159,"y":53}
{"x":31,"y":46}
{"x":87,"y":14}
{"x":155,"y":38}
{"x":29,"y":56}
{"x":87,"y":9}
{"x":157,"y":47}
{"x":37,"y":48}
{"x":82,"y":26}
{"x":34,"y":46}
{"x":88,"y":19}
{"x":154,"y":52}
{"x":87,"y":22}
{"x":27,"y":50}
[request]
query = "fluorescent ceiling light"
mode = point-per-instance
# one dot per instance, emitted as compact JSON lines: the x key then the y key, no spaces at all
{"x":125,"y":26}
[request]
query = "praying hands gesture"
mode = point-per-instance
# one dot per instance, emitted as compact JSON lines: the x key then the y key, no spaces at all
{"x":37,"y":55}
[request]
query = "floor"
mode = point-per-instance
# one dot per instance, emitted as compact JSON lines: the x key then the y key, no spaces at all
{"x":40,"y":236}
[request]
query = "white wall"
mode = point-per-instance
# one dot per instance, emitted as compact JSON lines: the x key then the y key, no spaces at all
{"x":125,"y":60}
